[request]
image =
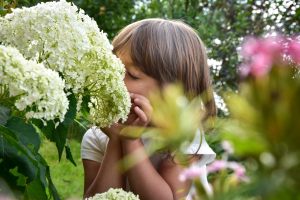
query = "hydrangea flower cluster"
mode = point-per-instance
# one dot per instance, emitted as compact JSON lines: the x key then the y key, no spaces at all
{"x":63,"y":38}
{"x":39,"y":91}
{"x":114,"y":194}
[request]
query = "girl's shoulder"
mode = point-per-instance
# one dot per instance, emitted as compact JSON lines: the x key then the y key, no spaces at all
{"x":95,"y":135}
{"x":198,"y":146}
{"x":93,"y":144}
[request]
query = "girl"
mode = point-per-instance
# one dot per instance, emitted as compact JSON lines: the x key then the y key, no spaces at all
{"x":155,"y":52}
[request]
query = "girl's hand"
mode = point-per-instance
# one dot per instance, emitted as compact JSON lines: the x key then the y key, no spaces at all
{"x":113,"y":132}
{"x":141,"y":111}
{"x":140,"y":115}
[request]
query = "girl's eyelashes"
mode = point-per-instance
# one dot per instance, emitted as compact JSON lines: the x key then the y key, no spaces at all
{"x":131,"y":75}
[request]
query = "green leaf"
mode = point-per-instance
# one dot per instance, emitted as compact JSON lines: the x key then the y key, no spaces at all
{"x":3,"y":11}
{"x":25,"y":132}
{"x":71,"y":114}
{"x":14,"y":153}
{"x":58,"y":135}
{"x":4,"y":114}
{"x":69,"y":155}
{"x":30,"y":164}
{"x":21,"y":181}
{"x":245,"y":140}
{"x":35,"y":191}
{"x":47,"y":130}
{"x":45,"y":174}
{"x":52,"y":188}
{"x":61,"y":132}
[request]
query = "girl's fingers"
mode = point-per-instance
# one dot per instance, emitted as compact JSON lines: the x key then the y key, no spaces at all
{"x":145,"y":105}
{"x":141,"y":115}
{"x":134,"y":96}
{"x":142,"y":108}
{"x":138,"y":122}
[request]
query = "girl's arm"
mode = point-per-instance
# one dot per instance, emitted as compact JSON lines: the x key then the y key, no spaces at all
{"x":143,"y":178}
{"x":90,"y":169}
{"x":150,"y":184}
{"x":100,"y":177}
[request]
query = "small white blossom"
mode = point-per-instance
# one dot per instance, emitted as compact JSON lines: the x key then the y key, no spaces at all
{"x":217,"y":41}
{"x":227,"y":147}
{"x":38,"y":91}
{"x":221,"y":104}
{"x":114,"y":194}
{"x":215,"y":66}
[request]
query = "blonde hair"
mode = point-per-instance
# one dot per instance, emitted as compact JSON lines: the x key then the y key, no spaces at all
{"x":169,"y":51}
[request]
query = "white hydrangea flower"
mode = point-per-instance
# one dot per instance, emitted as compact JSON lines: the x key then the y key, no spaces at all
{"x":114,"y":194}
{"x":64,"y":39}
{"x":39,"y":91}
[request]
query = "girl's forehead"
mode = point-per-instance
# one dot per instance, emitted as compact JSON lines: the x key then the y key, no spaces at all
{"x":125,"y":58}
{"x":124,"y":53}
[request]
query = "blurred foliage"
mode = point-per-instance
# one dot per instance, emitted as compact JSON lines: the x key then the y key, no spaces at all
{"x":268,"y":145}
{"x":264,"y":129}
{"x":175,"y":119}
{"x":6,"y":6}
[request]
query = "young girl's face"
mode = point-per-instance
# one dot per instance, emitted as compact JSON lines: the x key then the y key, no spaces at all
{"x":135,"y":80}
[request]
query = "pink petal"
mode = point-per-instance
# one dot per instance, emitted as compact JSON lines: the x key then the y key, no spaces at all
{"x":191,"y":173}
{"x":217,"y":165}
{"x":261,"y":64}
{"x":244,"y":70}
{"x":250,"y":47}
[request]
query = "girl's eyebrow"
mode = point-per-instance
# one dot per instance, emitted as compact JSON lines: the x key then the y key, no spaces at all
{"x":128,"y":62}
{"x":133,"y":69}
{"x":131,"y":65}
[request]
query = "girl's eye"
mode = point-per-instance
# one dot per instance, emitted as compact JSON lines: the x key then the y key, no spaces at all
{"x":131,"y":76}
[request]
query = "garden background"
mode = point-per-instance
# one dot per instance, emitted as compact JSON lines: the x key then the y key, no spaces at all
{"x":222,"y":25}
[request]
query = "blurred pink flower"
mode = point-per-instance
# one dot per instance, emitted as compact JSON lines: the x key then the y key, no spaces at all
{"x":261,"y":64}
{"x":217,"y":165}
{"x":195,"y":172}
{"x":192,"y":172}
{"x":260,"y":54}
{"x":266,"y":46}
{"x":200,"y":173}
{"x":293,"y":50}
{"x":244,"y":70}
{"x":250,"y":47}
{"x":238,"y":169}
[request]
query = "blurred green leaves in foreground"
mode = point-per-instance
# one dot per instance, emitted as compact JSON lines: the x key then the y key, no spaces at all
{"x":264,"y":123}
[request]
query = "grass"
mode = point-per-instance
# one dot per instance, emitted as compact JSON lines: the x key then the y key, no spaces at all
{"x":67,"y":178}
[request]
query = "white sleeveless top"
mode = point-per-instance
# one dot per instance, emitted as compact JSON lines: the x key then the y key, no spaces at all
{"x":94,"y":142}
